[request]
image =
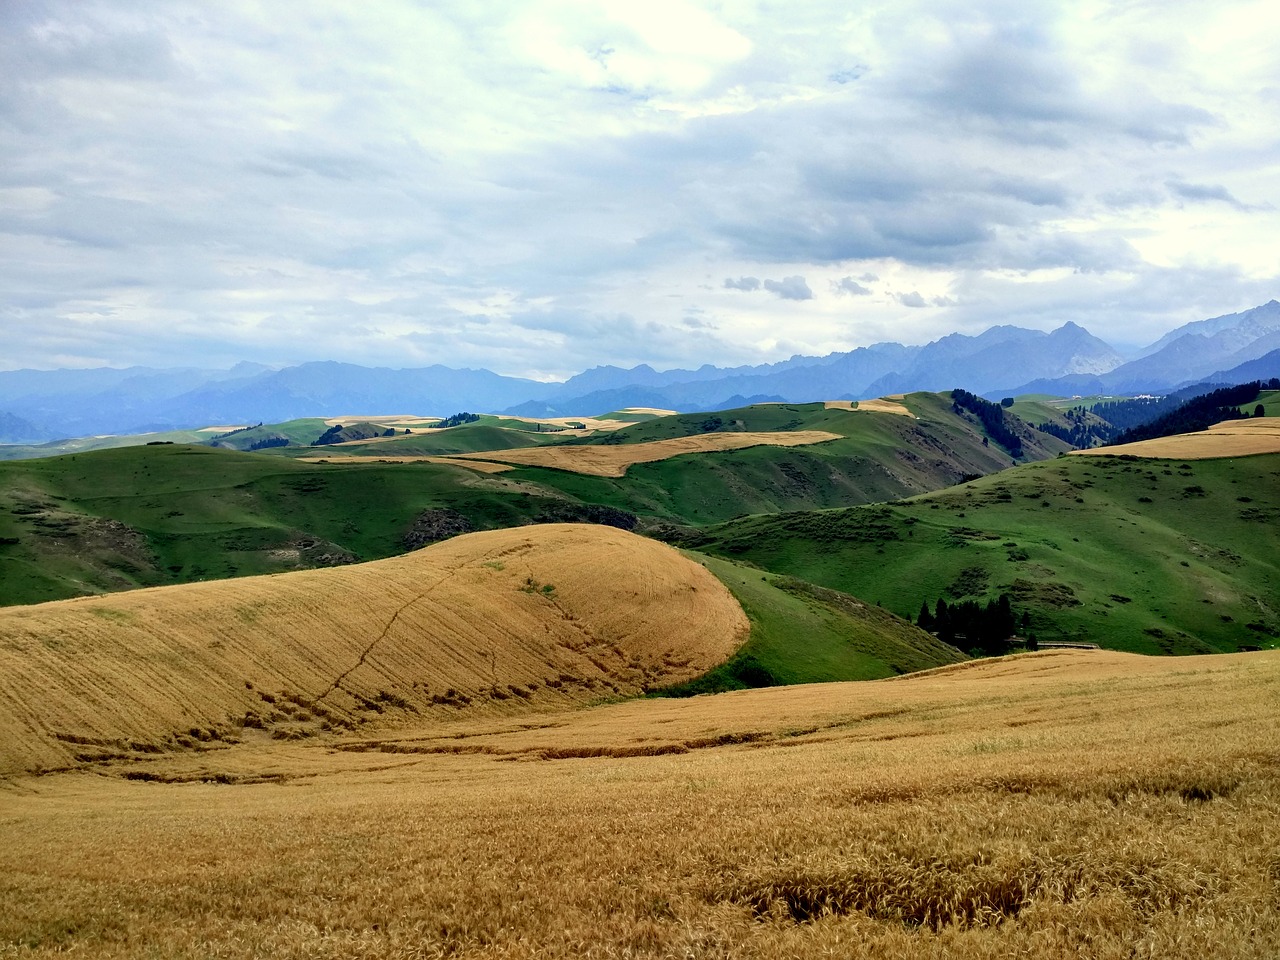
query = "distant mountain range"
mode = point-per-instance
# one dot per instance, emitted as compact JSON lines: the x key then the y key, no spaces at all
{"x":39,"y":405}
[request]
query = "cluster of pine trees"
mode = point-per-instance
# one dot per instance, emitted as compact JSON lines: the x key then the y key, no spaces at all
{"x":992,"y":417}
{"x":985,"y":629}
{"x":457,"y":420}
{"x":1083,"y":430}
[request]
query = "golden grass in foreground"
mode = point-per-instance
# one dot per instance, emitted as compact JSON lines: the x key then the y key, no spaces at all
{"x":613,"y":461}
{"x":1231,"y":438}
{"x":491,"y":622}
{"x":1054,"y":805}
{"x":883,"y":405}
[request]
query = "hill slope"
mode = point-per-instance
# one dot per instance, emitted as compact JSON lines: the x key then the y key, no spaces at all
{"x":554,"y":614}
{"x":153,"y":515}
{"x":1151,"y":556}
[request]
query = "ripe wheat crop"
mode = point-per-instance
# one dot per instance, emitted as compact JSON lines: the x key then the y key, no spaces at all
{"x":613,"y":460}
{"x":1231,"y":438}
{"x":882,"y":405}
{"x":492,"y":622}
{"x":1055,"y":805}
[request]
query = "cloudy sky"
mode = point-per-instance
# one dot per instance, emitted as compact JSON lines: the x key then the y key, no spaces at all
{"x":543,"y":186}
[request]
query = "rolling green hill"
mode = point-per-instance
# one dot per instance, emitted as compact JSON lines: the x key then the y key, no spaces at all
{"x":427,"y":442}
{"x":151,"y":515}
{"x":802,"y":633}
{"x":1151,"y":556}
{"x":881,"y":457}
{"x":146,"y":516}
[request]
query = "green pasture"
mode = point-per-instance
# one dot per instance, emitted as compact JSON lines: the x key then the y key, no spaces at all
{"x":806,"y":634}
{"x":1145,"y":555}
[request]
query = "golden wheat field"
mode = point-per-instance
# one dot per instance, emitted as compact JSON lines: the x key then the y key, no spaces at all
{"x":883,"y":405}
{"x":1231,"y":438}
{"x":583,"y":426}
{"x":387,"y":420}
{"x":1060,"y":805}
{"x":490,"y":622}
{"x":613,"y":461}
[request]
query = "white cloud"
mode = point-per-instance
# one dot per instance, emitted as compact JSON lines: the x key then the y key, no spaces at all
{"x":790,"y":288}
{"x":849,"y":287}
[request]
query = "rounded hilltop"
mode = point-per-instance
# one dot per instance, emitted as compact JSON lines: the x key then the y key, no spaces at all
{"x":487,"y":623}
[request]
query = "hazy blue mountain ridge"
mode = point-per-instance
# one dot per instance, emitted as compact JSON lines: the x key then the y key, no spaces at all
{"x":1067,"y":361}
{"x":1193,"y":353}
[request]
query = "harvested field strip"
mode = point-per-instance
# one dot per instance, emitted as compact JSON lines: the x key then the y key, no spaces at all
{"x":491,"y":622}
{"x":1139,"y":817}
{"x":870,"y":406}
{"x":1231,"y":438}
{"x":613,"y":461}
{"x":407,"y":420}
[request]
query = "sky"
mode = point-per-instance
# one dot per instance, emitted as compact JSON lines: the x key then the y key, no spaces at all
{"x":540,"y":187}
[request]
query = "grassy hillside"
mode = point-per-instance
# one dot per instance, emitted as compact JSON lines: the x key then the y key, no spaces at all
{"x":1054,"y":805}
{"x":931,"y":409}
{"x":1143,"y":555}
{"x":757,"y":418}
{"x":1270,"y":400}
{"x":491,"y":622}
{"x":153,"y":515}
{"x":300,"y":432}
{"x":428,"y":442}
{"x":801,"y":633}
{"x":880,"y":457}
{"x":146,"y":516}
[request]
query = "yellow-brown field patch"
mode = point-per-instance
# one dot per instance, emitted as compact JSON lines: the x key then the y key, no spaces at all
{"x":1052,"y":805}
{"x":491,"y":622}
{"x":400,"y":420}
{"x":1231,"y":438}
{"x":572,"y":426}
{"x":883,"y":405}
{"x":613,"y":461}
